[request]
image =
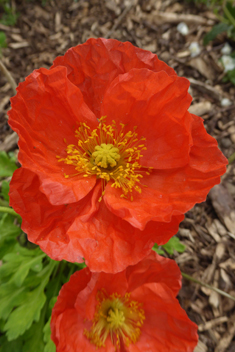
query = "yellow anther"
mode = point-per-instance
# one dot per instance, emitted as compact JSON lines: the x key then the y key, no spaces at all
{"x":110,"y":154}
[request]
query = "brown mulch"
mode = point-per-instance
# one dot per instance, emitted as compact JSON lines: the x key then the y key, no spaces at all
{"x":208,"y":231}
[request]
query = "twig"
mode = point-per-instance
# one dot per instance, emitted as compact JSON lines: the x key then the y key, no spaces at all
{"x":169,"y":17}
{"x":8,"y":76}
{"x":186,"y":276}
{"x":120,"y":19}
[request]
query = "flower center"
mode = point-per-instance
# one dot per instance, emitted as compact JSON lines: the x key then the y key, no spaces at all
{"x":106,"y":155}
{"x":110,"y":154}
{"x":116,"y":317}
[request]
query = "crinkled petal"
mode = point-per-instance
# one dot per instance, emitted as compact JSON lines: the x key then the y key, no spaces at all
{"x":86,"y":301}
{"x":110,"y":244}
{"x":157,"y":104}
{"x":154,"y":268}
{"x":45,"y":112}
{"x":94,"y":64}
{"x":68,"y":322}
{"x":173,"y":191}
{"x":85,"y":229}
{"x":166,"y":326}
{"x":45,"y":224}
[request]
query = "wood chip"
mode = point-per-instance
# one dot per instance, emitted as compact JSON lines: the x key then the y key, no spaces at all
{"x":200,"y":108}
{"x":202,"y":67}
{"x":10,"y":142}
{"x":210,"y":324}
{"x":9,"y":29}
{"x":206,"y":88}
{"x":161,"y":17}
{"x":229,"y":264}
{"x":224,"y":206}
{"x":227,"y":337}
{"x":18,"y":45}
{"x":201,"y":347}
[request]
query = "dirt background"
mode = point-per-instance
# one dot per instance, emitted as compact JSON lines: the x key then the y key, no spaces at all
{"x":44,"y":31}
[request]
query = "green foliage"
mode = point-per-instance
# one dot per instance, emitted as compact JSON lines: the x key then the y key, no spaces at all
{"x":29,"y":281}
{"x":230,"y":76}
{"x":7,"y":164}
{"x":225,"y":12}
{"x":9,"y":17}
{"x":209,"y":3}
{"x":5,"y":190}
{"x":216,"y":30}
{"x":29,"y":285}
{"x":3,"y":40}
{"x":172,"y":245}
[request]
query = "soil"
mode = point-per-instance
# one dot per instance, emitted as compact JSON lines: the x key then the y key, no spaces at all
{"x":44,"y":31}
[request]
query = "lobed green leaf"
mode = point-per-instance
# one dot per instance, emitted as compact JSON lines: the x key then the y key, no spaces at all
{"x":23,"y":316}
{"x":7,"y":165}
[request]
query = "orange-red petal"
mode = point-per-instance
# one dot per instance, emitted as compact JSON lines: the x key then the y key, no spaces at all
{"x":171,"y":192}
{"x":85,"y":229}
{"x":46,"y":112}
{"x":154,"y":268}
{"x":157,"y":105}
{"x":93,"y":65}
{"x":167,"y":327}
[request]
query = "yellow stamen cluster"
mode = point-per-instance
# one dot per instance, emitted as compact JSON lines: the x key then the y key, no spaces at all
{"x":108,"y":153}
{"x":116,"y":317}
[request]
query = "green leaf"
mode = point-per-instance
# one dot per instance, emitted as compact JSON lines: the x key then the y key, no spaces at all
{"x":8,"y":230}
{"x":174,"y":244}
{"x":23,"y":316}
{"x":9,"y":19}
{"x":10,"y":297}
{"x":158,"y":249}
{"x":3,"y":40}
{"x":10,"y":346}
{"x":217,"y":29}
{"x":231,"y":9}
{"x":7,"y":165}
{"x":20,"y":262}
{"x":230,"y":76}
{"x":7,"y":247}
{"x":5,"y":190}
{"x":50,"y":346}
{"x":34,"y":337}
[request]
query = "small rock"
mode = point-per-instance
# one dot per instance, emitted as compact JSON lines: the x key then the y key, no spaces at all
{"x":231,"y":129}
{"x":228,"y":63}
{"x":226,"y":50}
{"x":194,"y":49}
{"x":232,"y":137}
{"x":183,"y":28}
{"x":226,"y":142}
{"x":225,"y":102}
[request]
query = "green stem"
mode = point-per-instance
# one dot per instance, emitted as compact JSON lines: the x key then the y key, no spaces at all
{"x":10,"y":211}
{"x":3,"y":203}
{"x":186,"y":276}
{"x":228,"y":14}
{"x":231,"y":158}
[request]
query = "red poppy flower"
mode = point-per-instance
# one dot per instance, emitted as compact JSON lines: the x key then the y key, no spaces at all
{"x":131,"y":311}
{"x":111,"y":158}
